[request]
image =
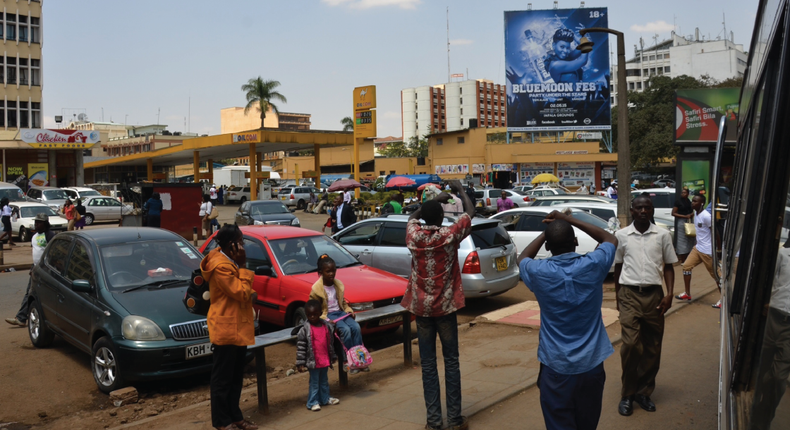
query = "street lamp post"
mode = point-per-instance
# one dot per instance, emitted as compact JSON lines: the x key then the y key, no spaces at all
{"x":623,"y":146}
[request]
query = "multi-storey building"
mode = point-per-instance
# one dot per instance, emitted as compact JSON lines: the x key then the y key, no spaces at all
{"x":718,"y":59}
{"x":452,"y":106}
{"x":20,"y":71}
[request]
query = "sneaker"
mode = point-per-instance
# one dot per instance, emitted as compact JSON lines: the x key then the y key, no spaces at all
{"x":683,"y":296}
{"x":354,"y":371}
{"x":717,"y":305}
{"x":316,"y":407}
{"x":333,"y":401}
{"x":367,"y":369}
{"x":14,"y":321}
{"x":463,"y":425}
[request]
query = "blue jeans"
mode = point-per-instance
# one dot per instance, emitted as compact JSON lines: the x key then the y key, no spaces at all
{"x":24,"y":309}
{"x":349,"y":329}
{"x":571,"y":401}
{"x":447,"y":328}
{"x":319,"y":387}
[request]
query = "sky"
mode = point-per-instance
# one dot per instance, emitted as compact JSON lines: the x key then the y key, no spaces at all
{"x":179,"y":62}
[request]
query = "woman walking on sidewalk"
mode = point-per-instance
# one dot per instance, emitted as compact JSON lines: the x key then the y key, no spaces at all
{"x":5,"y":210}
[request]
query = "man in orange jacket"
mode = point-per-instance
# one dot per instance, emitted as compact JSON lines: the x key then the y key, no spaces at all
{"x":230,"y":325}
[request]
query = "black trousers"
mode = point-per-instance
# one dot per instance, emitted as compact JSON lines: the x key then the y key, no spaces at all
{"x":154,"y":220}
{"x":227,"y":376}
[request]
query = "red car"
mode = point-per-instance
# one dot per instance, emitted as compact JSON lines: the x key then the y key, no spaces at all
{"x":284,"y":261}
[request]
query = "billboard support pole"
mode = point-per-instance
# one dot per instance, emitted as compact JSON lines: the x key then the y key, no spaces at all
{"x":623,"y":145}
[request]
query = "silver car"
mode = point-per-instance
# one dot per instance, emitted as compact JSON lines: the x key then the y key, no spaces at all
{"x":297,"y":196}
{"x":50,"y":196}
{"x":487,"y":258}
{"x":104,"y":209}
{"x":487,"y":199}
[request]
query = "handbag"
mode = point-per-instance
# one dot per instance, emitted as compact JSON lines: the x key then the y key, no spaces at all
{"x":690,"y":229}
{"x":357,"y":357}
{"x":214,"y":213}
{"x":77,"y":215}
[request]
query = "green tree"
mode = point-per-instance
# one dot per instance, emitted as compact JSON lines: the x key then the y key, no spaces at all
{"x":347,"y":123}
{"x":415,"y":147}
{"x":260,"y":95}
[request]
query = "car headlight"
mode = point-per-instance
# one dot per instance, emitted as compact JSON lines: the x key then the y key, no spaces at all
{"x":296,"y":222}
{"x":364,"y":306}
{"x":256,"y":222}
{"x":139,"y":328}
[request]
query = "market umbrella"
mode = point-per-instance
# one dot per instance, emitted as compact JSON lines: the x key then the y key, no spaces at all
{"x":545,"y":177}
{"x":400,"y":181}
{"x":422,"y":187}
{"x":343,"y":185}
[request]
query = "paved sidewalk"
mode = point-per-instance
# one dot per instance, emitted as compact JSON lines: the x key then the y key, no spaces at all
{"x":19,"y":257}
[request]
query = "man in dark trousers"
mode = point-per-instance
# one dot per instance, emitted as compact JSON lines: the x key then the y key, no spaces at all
{"x":573,"y":340}
{"x":644,"y":258}
{"x":38,"y":243}
{"x":344,"y":215}
{"x":434,"y":294}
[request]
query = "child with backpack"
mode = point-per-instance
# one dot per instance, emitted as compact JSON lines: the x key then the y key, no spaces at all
{"x":329,"y":292}
{"x":315,"y":353}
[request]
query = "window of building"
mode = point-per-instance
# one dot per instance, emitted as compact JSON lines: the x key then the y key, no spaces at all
{"x":23,"y":33}
{"x":633,"y":72}
{"x":666,"y":55}
{"x":666,"y":69}
{"x":35,"y":115}
{"x":638,"y":85}
{"x":35,"y":72}
{"x":630,"y":85}
{"x":11,"y":112}
{"x":660,"y":56}
{"x":10,"y":72}
{"x":381,"y":173}
{"x":392,"y":172}
{"x":24,"y":118}
{"x":35,"y":30}
{"x":645,"y":72}
{"x":439,"y":141}
{"x":461,"y":140}
{"x":462,"y":122}
{"x":10,"y":31}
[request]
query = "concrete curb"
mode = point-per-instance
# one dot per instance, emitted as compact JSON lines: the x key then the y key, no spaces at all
{"x":16,"y":267}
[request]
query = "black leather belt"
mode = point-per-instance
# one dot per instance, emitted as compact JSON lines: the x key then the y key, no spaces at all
{"x":642,"y":288}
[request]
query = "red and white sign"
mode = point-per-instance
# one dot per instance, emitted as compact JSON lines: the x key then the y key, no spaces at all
{"x":46,"y":138}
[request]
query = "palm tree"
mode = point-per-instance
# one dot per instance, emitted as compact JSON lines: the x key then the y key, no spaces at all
{"x":348,"y":123}
{"x":260,"y":94}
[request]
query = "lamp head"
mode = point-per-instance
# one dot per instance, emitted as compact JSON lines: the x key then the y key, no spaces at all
{"x":585,"y":45}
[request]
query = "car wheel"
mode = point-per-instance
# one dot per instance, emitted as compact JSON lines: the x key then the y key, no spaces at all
{"x":300,"y":205}
{"x":88,"y":219}
{"x":40,"y":334}
{"x":243,"y":199}
{"x":299,"y":317}
{"x":24,"y":236}
{"x":106,"y":371}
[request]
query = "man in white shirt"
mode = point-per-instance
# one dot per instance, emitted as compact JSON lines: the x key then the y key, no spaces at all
{"x":212,"y":192}
{"x":39,"y":244}
{"x":703,"y":250}
{"x":644,"y":258}
{"x":611,"y":192}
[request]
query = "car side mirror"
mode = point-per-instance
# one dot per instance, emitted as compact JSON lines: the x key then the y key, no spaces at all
{"x":245,"y":214}
{"x":264,"y":271}
{"x":81,"y":286}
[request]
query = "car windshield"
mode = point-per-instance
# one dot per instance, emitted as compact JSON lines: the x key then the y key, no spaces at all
{"x":662,"y":200}
{"x":235,"y":189}
{"x":269,"y":209}
{"x":32,"y":211}
{"x":285,"y":191}
{"x":489,"y":235}
{"x":55,"y":195}
{"x":13,"y":194}
{"x":87,"y":193}
{"x":128,"y":265}
{"x":300,"y":254}
{"x":519,"y":192}
{"x":590,"y":219}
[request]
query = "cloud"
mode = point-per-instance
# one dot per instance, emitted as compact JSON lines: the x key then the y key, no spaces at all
{"x":653,"y":27}
{"x":461,"y":42}
{"x":368,"y":4}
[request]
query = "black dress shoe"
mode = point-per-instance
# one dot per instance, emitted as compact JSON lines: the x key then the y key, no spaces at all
{"x":645,"y":403}
{"x":626,"y":406}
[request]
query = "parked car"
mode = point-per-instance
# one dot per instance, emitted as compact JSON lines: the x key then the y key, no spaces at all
{"x":265,"y":212}
{"x":14,"y":193}
{"x":662,"y":183}
{"x":545,"y":191}
{"x":81,"y":192}
{"x":116,"y":294}
{"x":486,"y":199}
{"x":25,"y":224}
{"x":605,"y":211}
{"x":104,"y":209}
{"x":570,"y":198}
{"x":487,"y":258}
{"x":525,"y":224}
{"x":284,"y":261}
{"x":663,"y":200}
{"x":524,"y":188}
{"x":237,"y":195}
{"x":50,"y":196}
{"x":297,"y":196}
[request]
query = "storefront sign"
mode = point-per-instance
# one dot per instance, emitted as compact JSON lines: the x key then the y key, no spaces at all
{"x":577,"y":152}
{"x":478,"y":168}
{"x":60,"y":139}
{"x":248,"y":137}
{"x":530,"y":170}
{"x":503,"y":167}
{"x":38,"y":174}
{"x":589,"y":135}
{"x":573,"y":174}
{"x":551,"y":85}
{"x":452,"y":169}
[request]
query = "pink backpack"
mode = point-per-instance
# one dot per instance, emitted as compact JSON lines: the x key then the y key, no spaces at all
{"x":358,"y":357}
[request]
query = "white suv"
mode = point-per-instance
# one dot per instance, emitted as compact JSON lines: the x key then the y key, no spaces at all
{"x":663,"y":200}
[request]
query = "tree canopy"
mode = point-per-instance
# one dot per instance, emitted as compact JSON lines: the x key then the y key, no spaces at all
{"x":651,"y":117}
{"x":347,"y":123}
{"x":260,"y":95}
{"x":415,"y":147}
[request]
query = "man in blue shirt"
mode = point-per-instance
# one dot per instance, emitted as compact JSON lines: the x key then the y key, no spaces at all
{"x":573,"y":340}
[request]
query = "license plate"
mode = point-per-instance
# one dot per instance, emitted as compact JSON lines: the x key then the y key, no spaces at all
{"x":199,"y":350}
{"x":501,"y":263}
{"x":479,"y":204}
{"x":391,"y":320}
{"x":284,"y":198}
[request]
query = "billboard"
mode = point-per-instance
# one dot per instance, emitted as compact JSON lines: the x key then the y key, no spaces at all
{"x":698,"y":112}
{"x":59,"y":139}
{"x":551,"y":85}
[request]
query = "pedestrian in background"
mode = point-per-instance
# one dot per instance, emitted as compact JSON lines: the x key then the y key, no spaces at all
{"x":683,"y":214}
{"x":80,"y":224}
{"x":5,"y":216}
{"x":205,"y":211}
{"x":503,"y":203}
{"x":644,"y":256}
{"x":230,"y":325}
{"x":702,"y":252}
{"x":470,"y":192}
{"x":573,"y":340}
{"x":71,"y":214}
{"x":434,"y":294}
{"x":221,"y":195}
{"x":212,"y":192}
{"x":344,"y":214}
{"x":154,"y":207}
{"x":315,"y":352}
{"x":39,"y":244}
{"x":312,"y":204}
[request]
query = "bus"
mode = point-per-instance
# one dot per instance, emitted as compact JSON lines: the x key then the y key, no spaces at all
{"x":755,"y":245}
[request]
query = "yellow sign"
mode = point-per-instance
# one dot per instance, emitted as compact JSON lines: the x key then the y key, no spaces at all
{"x":38,"y":173}
{"x":248,"y":137}
{"x":365,"y":97}
{"x":309,"y":174}
{"x":365,"y":123}
{"x":72,"y":145}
